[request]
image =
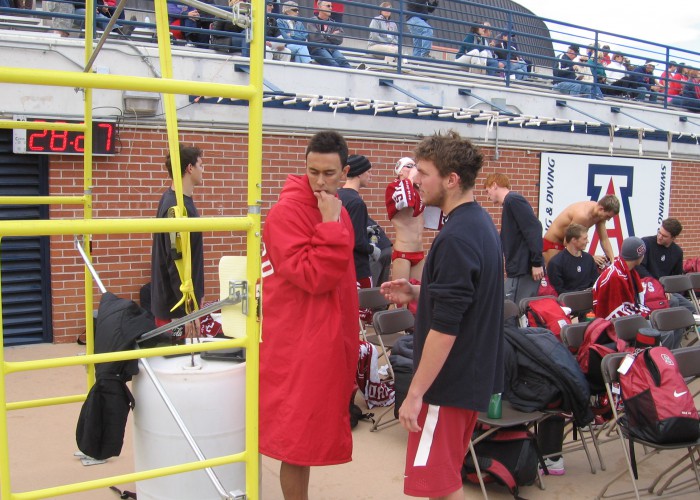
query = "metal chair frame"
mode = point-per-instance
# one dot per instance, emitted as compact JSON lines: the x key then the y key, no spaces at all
{"x":391,"y":322}
{"x":689,"y":363}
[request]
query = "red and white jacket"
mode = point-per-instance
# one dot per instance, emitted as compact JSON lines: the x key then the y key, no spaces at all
{"x":402,"y":194}
{"x":618,"y":291}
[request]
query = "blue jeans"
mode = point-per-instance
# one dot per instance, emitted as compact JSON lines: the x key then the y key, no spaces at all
{"x":572,"y":88}
{"x":492,"y":68}
{"x":575,"y":88}
{"x":421,"y":32}
{"x":329,"y":57}
{"x":300,"y":53}
{"x":518,"y":69}
{"x":642,"y":93}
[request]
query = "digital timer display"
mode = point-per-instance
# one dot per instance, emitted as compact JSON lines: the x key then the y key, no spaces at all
{"x":64,"y":141}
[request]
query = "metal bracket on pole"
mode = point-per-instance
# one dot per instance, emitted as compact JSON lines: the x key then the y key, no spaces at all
{"x":385,"y":82}
{"x":563,"y":104}
{"x":238,"y":291}
{"x":617,"y":109}
{"x":245,"y":68}
{"x":500,"y":109}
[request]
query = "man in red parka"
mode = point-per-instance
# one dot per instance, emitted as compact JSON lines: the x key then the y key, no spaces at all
{"x":618,"y":290}
{"x":309,"y":348}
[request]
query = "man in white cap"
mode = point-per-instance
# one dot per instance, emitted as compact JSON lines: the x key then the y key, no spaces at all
{"x":405,"y":211}
{"x":618,"y":290}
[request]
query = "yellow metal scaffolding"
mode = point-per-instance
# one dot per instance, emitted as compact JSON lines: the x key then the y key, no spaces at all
{"x":88,"y":226}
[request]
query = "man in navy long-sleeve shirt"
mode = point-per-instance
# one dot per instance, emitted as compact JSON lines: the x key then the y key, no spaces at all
{"x":521,"y":237}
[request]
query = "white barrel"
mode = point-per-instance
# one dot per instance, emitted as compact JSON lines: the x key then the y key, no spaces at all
{"x":211,"y":402}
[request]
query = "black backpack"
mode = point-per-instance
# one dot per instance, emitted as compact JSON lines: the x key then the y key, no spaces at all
{"x":509,"y":457}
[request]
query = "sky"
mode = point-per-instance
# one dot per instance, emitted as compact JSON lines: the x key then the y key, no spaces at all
{"x":671,"y":22}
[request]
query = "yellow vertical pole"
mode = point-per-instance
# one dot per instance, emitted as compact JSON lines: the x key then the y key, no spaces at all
{"x":5,"y":490}
{"x":87,"y":192}
{"x":255,"y":107}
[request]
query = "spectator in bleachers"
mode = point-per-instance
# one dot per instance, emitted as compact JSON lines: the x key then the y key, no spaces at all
{"x":675,"y":86}
{"x":565,"y":75}
{"x":293,"y":29}
{"x":337,"y":11}
{"x":477,"y":50}
{"x":274,"y":49}
{"x":615,"y":71}
{"x":379,"y":39}
{"x":228,"y":43}
{"x":641,"y":82}
{"x":512,"y":62}
{"x":588,"y":73}
{"x":103,"y":13}
{"x":418,"y":25}
{"x":61,"y":25}
{"x":573,"y":268}
{"x":690,"y":97}
{"x":605,"y":51}
{"x":189,"y":17}
{"x":327,"y":36}
{"x":667,"y":76}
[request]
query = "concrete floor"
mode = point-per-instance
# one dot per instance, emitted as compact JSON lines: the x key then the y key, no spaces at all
{"x":42,"y":444}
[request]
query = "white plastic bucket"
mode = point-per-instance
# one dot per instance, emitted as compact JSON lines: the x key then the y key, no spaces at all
{"x":211,"y":402}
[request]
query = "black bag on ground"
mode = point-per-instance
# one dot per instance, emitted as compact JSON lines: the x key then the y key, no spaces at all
{"x":509,"y":457}
{"x":102,"y":421}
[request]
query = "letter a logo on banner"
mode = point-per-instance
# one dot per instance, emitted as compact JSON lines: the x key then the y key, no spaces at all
{"x":615,"y":230}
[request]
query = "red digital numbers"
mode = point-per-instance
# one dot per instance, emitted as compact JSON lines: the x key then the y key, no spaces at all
{"x":59,"y":140}
{"x":63,"y":141}
{"x":109,"y":131}
{"x":35,"y":136}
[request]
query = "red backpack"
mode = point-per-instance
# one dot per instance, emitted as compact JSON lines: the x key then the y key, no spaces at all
{"x":599,"y":339}
{"x":658,"y":405}
{"x":546,"y":288}
{"x":654,"y":294}
{"x":547,"y":313}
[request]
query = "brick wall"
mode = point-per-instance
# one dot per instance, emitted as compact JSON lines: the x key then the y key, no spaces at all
{"x":130,"y":185}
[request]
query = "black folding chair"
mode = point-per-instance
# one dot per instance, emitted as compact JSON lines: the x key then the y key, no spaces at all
{"x":388,"y":326}
{"x":579,"y":302}
{"x":675,"y":318}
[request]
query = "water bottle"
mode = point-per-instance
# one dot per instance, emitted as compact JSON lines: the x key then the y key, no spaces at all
{"x":495,"y":406}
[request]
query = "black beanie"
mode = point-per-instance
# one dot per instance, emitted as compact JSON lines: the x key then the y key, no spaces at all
{"x":358,"y":165}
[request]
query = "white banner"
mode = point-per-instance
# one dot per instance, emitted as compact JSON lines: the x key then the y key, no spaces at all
{"x":642,"y":186}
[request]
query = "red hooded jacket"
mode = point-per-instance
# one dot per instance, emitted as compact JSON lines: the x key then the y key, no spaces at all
{"x":618,"y":292}
{"x":310,"y":341}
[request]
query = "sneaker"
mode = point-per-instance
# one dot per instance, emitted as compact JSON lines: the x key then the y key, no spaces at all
{"x":554,"y":467}
{"x":361,"y":66}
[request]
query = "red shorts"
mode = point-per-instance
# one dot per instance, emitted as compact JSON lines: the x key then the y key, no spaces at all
{"x":435,"y":455}
{"x":414,"y":258}
{"x":364,"y":282}
{"x":548,"y":245}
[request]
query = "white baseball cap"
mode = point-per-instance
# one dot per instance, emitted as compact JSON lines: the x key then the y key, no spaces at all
{"x":404,"y":162}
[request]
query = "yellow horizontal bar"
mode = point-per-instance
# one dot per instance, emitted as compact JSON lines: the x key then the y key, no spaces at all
{"x":41,"y":364}
{"x":37,"y":403}
{"x":41,"y":200}
{"x":122,"y":226}
{"x":127,"y":478}
{"x":71,"y":127}
{"x":32,"y":76}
